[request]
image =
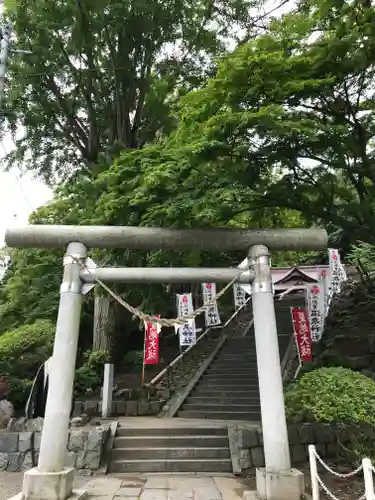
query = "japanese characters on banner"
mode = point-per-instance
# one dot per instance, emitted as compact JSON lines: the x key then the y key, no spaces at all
{"x":187,"y":333}
{"x":211,"y":314}
{"x":323,"y":281}
{"x":337,"y":271}
{"x":239,"y":296}
{"x":184,"y":307}
{"x":316,"y":310}
{"x":151,"y":352}
{"x":302,"y":333}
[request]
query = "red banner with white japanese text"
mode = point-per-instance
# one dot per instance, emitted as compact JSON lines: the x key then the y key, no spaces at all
{"x":151,"y":353}
{"x":302,"y":333}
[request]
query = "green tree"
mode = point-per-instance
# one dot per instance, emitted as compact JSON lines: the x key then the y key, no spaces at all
{"x":102,"y":75}
{"x":287,"y":122}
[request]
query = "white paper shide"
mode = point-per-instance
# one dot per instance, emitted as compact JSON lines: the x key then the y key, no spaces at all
{"x":211,"y":314}
{"x":186,"y":332}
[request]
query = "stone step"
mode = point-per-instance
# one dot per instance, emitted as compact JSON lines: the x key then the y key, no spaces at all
{"x":234,"y":358}
{"x":151,"y":465}
{"x":217,"y":392}
{"x":167,"y":441}
{"x":223,"y":400}
{"x":240,"y":340}
{"x":171,"y":431}
{"x":238,"y":350}
{"x":219,"y":377}
{"x":230,"y":376}
{"x":229,"y":387}
{"x":208,"y":407}
{"x":220,"y":415}
{"x":235,"y":370}
{"x":232,"y":381}
{"x":169,"y":453}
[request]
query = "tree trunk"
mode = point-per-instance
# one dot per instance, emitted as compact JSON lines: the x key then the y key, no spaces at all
{"x":104,"y":335}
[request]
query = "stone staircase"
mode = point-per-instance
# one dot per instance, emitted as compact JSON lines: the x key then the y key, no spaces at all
{"x":229,"y":388}
{"x":171,"y":448}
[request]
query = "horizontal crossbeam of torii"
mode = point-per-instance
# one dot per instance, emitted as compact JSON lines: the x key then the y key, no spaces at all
{"x":149,"y":238}
{"x":50,"y":480}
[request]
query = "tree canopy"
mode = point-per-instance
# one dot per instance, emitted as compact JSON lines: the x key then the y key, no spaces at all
{"x":277,"y":133}
{"x":102,"y":76}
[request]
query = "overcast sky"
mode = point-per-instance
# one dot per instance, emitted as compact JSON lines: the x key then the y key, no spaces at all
{"x":19,"y":196}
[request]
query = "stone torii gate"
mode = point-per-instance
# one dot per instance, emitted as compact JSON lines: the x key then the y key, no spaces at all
{"x":50,"y":480}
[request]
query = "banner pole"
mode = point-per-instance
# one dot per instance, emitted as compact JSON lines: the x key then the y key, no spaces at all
{"x":144,"y":355}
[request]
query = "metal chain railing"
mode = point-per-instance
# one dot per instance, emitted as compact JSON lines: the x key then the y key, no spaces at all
{"x":317,"y":483}
{"x":147,"y":317}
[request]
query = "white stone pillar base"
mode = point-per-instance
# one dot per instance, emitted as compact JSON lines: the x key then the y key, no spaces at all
{"x":285,"y":485}
{"x":39,"y":485}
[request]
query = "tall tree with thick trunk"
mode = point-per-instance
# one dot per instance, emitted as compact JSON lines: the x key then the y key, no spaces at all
{"x":102,"y":75}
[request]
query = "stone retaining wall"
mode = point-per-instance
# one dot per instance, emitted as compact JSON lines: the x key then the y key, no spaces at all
{"x":246,"y":443}
{"x":119,"y":408}
{"x":19,"y":451}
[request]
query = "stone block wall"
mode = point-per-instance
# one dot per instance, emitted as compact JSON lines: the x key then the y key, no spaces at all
{"x":19,"y":450}
{"x":119,"y":408}
{"x":246,"y":443}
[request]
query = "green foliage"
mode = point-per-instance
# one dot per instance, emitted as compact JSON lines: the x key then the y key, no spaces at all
{"x":18,"y":393}
{"x":337,"y":395}
{"x":103,"y":75}
{"x":282,"y":126}
{"x":365,"y":253}
{"x":133,"y":360}
{"x":22,"y":352}
{"x":90,"y":374}
{"x":25,"y":349}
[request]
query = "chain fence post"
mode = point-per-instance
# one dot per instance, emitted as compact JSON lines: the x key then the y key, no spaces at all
{"x":369,"y":482}
{"x":313,"y":473}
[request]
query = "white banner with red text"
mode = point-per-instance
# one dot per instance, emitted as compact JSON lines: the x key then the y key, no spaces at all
{"x":184,"y":304}
{"x":211,"y":314}
{"x":187,"y":333}
{"x":337,"y":274}
{"x":316,"y":308}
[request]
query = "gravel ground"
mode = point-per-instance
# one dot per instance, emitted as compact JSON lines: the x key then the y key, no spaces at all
{"x":11,"y":483}
{"x":343,"y":489}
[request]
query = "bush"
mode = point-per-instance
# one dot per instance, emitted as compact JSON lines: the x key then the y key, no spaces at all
{"x":18,"y":392}
{"x":90,"y":374}
{"x":334,"y":394}
{"x":24,"y":349}
{"x":133,"y":360}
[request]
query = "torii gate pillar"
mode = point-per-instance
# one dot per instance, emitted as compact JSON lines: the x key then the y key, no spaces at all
{"x":277,"y":481}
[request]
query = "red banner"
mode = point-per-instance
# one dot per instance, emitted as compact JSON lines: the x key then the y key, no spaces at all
{"x":302,"y":333}
{"x":151,"y":354}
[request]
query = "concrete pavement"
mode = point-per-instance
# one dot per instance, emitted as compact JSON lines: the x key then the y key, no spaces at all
{"x":165,"y":487}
